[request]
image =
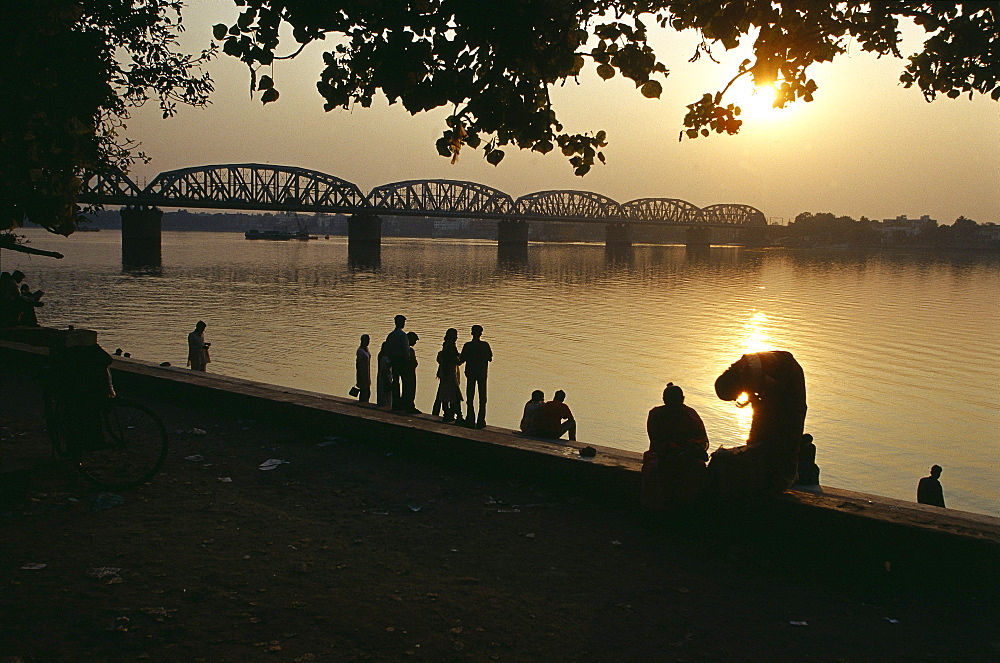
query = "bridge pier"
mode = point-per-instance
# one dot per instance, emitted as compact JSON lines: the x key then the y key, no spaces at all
{"x":512,"y":240}
{"x":141,"y":229}
{"x":699,"y":236}
{"x":364,"y":240}
{"x":754,"y":236}
{"x":618,"y":235}
{"x":512,"y":232}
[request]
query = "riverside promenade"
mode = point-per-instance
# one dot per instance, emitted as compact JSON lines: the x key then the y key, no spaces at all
{"x":387,"y":537}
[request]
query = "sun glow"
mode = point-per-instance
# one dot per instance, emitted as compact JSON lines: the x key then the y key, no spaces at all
{"x":757,"y":103}
{"x":756,"y":341}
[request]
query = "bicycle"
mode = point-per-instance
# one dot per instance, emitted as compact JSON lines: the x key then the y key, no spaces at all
{"x":114,"y":442}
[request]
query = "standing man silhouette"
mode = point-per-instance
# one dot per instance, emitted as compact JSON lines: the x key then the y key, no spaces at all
{"x":363,"y":370}
{"x":397,"y":346}
{"x":198,"y":357}
{"x":476,"y":355}
{"x":929,"y":489}
{"x":408,"y":378}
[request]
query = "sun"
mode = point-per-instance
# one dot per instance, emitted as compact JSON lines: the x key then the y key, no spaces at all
{"x":757,"y":103}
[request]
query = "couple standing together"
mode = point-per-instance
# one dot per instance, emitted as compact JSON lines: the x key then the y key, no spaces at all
{"x":476,"y":355}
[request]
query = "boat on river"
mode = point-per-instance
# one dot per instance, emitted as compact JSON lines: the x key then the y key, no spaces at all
{"x":277,"y":235}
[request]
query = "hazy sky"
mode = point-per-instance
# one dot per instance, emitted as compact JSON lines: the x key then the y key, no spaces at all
{"x":864,"y":147}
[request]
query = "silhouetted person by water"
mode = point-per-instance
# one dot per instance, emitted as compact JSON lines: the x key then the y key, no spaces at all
{"x":397,"y":347}
{"x":673,"y":469}
{"x":408,"y":378}
{"x":10,"y":311}
{"x":553,"y":418}
{"x":773,"y":384}
{"x":527,"y":425}
{"x":383,"y":377}
{"x":17,"y":302}
{"x":363,"y":369}
{"x":449,"y":393}
{"x":476,"y":355}
{"x":198,"y":358}
{"x":808,"y":469}
{"x":929,"y":489}
{"x":30,"y":300}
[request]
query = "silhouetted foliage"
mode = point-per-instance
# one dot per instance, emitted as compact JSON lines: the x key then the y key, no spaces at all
{"x":494,"y":62}
{"x":825,"y":229}
{"x":73,"y":71}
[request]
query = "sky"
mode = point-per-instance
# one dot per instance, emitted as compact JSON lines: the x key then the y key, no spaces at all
{"x":865,"y":147}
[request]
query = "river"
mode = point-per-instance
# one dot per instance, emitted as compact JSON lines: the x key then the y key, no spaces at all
{"x":900,"y":352}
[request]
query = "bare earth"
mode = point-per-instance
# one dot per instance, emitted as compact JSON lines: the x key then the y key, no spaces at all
{"x":351,"y":551}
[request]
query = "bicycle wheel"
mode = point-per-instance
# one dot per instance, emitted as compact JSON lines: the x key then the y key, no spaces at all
{"x":133,"y":449}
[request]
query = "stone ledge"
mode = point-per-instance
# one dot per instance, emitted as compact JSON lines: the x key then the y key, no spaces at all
{"x":612,"y":472}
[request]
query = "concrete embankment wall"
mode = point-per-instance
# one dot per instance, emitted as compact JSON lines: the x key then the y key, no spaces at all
{"x":867,"y":531}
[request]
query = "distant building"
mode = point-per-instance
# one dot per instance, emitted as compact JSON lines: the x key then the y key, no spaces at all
{"x":902,"y":227}
{"x":989,"y":232}
{"x":444,"y":227}
{"x":902,"y":224}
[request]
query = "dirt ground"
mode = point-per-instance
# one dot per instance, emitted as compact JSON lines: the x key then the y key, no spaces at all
{"x":350,"y":551}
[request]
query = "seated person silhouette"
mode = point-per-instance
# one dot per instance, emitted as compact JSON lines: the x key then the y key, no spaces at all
{"x":673,"y":469}
{"x":929,"y":489}
{"x":553,"y":418}
{"x":530,"y":410}
{"x":808,"y":469}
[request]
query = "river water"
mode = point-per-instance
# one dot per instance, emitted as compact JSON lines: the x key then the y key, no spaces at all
{"x":900,"y":352}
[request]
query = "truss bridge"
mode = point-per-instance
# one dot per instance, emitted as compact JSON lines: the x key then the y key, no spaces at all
{"x":264,"y":187}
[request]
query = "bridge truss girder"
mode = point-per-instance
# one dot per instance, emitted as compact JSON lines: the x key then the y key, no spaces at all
{"x":653,"y":210}
{"x":257,"y":187}
{"x":285,"y":188}
{"x":733,"y":215}
{"x":450,"y":198}
{"x":113,"y":188}
{"x":567,"y":206}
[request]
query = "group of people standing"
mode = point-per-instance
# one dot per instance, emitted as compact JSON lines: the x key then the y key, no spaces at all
{"x":396,"y":374}
{"x":17,"y":301}
{"x":396,"y":382}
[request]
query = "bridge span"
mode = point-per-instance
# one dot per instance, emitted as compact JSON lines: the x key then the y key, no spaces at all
{"x":262,"y":187}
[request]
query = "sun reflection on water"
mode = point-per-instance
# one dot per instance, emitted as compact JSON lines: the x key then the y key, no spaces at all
{"x":757,"y":340}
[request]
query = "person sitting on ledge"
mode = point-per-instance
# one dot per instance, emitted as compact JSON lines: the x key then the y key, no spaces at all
{"x":673,"y":469}
{"x":929,"y":489}
{"x":10,"y":311}
{"x":530,"y":410}
{"x":808,"y":469}
{"x":553,"y":418}
{"x":29,"y":301}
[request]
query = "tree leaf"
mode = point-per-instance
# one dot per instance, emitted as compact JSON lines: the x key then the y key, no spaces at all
{"x":652,"y":89}
{"x":269,"y":96}
{"x":605,"y":71}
